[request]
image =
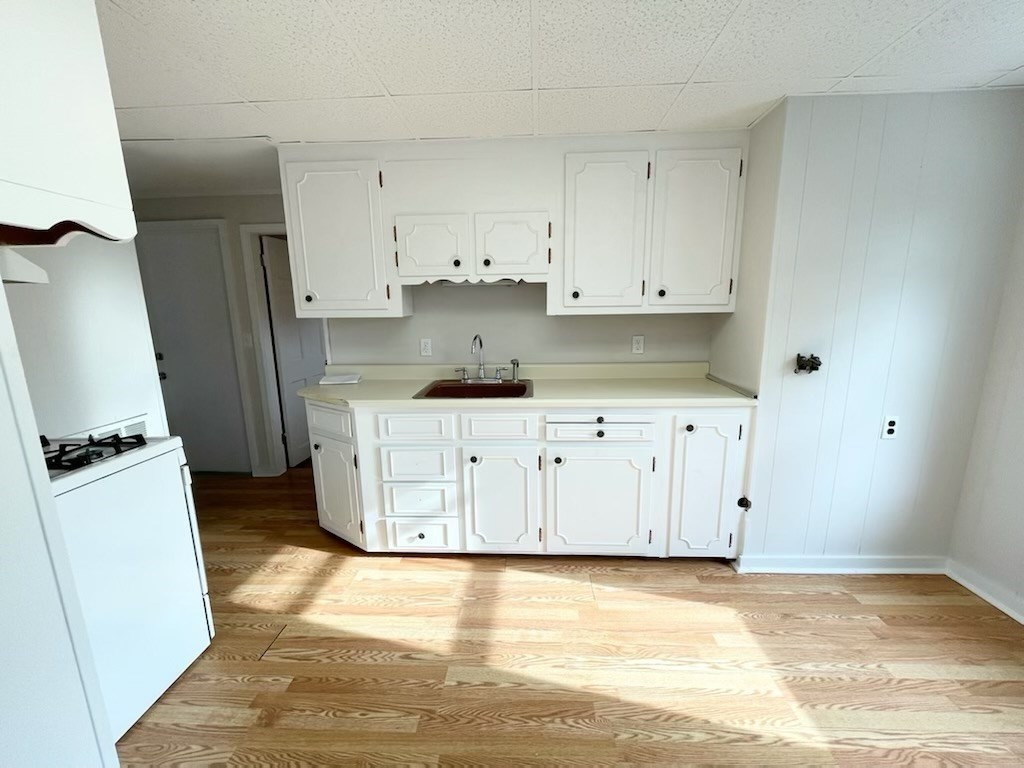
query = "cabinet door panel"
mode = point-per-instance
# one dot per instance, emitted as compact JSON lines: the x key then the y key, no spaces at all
{"x":605,"y":222}
{"x":335,"y":236}
{"x":598,"y":500}
{"x":511,"y":244}
{"x":695,"y":196}
{"x":337,"y":488}
{"x":707,"y":482}
{"x":501,"y":499}
{"x":435,"y":245}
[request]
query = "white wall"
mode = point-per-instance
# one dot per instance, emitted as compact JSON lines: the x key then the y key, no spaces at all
{"x":84,"y":339}
{"x":513,"y":323}
{"x":895,"y":217}
{"x":988,"y":538}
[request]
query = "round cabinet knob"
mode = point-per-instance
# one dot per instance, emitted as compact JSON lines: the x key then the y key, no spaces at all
{"x":316,"y":446}
{"x":309,"y":297}
{"x":690,"y":427}
{"x":600,"y":419}
{"x":662,"y":293}
{"x":600,"y":433}
{"x":473,"y":459}
{"x":457,"y":263}
{"x":487,"y":262}
{"x":558,"y":460}
{"x":421,"y":535}
{"x":575,"y":294}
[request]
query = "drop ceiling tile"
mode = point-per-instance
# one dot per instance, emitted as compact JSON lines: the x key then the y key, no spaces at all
{"x":145,"y":73}
{"x":509,"y":113}
{"x":779,"y":39}
{"x":912,"y":83}
{"x":367,"y":119}
{"x":442,"y":46}
{"x":221,"y":167}
{"x":1015,"y":78}
{"x":965,"y":36}
{"x":708,"y":106}
{"x":584,"y":43}
{"x":266,"y":49}
{"x":604,"y":110}
{"x":207,"y":121}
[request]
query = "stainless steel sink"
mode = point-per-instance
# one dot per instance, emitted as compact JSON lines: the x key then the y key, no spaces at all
{"x":464,"y":389}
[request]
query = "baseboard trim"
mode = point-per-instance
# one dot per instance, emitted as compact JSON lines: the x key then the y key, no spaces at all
{"x":841,"y":564}
{"x":1005,"y":600}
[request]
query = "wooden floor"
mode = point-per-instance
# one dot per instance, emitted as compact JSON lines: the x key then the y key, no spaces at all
{"x":327,"y":656}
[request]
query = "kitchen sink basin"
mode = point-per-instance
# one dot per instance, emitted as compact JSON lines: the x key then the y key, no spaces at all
{"x":461,"y":389}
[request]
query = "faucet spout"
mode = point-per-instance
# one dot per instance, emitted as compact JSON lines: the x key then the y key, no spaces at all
{"x":478,"y":347}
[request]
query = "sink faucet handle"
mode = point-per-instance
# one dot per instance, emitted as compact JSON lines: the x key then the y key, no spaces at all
{"x":498,"y":371}
{"x":462,"y":373}
{"x":515,"y":369}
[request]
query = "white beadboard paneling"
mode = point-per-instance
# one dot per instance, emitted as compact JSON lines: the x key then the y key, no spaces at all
{"x":468,"y":114}
{"x":707,"y":106}
{"x":590,"y":110}
{"x":794,"y":38}
{"x":206,"y":121}
{"x":424,"y":46}
{"x":369,"y":119}
{"x":583,"y":43}
{"x":964,"y":36}
{"x":264,"y":48}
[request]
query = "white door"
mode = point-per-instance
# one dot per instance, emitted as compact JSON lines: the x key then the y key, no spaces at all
{"x":512,"y":243}
{"x":186,"y":298}
{"x":435,"y":245}
{"x":337,"y":488}
{"x":707,"y":483}
{"x":695,"y":194}
{"x":298,"y":347}
{"x":605,"y":224}
{"x":502,"y":501}
{"x":598,"y":500}
{"x":336,"y":237}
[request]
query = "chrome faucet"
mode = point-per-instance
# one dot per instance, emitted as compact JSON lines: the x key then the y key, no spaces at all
{"x":478,"y":346}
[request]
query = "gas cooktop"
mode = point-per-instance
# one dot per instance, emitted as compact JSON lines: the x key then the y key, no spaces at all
{"x":73,"y":454}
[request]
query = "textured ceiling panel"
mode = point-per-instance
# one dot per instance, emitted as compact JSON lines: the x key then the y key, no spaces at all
{"x":267,"y":49}
{"x":172,"y":168}
{"x":778,"y":39}
{"x":612,"y":42}
{"x":965,"y":36}
{"x":369,"y":119}
{"x":441,"y":46}
{"x":707,"y":106}
{"x":468,"y":114}
{"x":207,"y":121}
{"x":911,"y":83}
{"x":604,"y":110}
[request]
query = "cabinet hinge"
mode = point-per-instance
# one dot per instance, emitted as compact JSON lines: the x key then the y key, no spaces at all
{"x":648,"y":169}
{"x":396,"y":258}
{"x":549,"y":230}
{"x":284,"y":439}
{"x":741,"y":166}
{"x":394,"y":232}
{"x":549,"y":255}
{"x":361,"y":526}
{"x":730,"y":539}
{"x":380,"y":178}
{"x":654,"y":462}
{"x":540,"y":466}
{"x":643,"y":287}
{"x":730,"y":286}
{"x":741,"y":433}
{"x":355,"y":461}
{"x":540,"y":534}
{"x":650,"y":536}
{"x":387,"y":290}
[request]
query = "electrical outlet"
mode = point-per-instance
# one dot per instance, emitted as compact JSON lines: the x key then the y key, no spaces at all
{"x":426,"y":348}
{"x":889,"y":427}
{"x":638,"y":345}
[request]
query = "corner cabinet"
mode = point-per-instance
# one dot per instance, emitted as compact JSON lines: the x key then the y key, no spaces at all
{"x":336,"y":242}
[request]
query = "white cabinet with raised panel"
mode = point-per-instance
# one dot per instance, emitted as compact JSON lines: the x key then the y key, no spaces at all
{"x":336,"y":241}
{"x":502,"y":500}
{"x":707,"y":483}
{"x":598,"y":500}
{"x":512,"y":244}
{"x":435,"y":245}
{"x":337,"y":488}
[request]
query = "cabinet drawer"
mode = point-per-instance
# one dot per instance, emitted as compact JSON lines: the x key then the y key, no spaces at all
{"x":415,"y":426}
{"x":498,"y":426}
{"x":329,"y":422}
{"x":423,"y":534}
{"x":598,"y":418}
{"x":601,"y":433}
{"x":417,"y":463}
{"x":420,"y":500}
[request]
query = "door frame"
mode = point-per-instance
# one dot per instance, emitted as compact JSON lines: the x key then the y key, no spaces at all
{"x":265,"y":397}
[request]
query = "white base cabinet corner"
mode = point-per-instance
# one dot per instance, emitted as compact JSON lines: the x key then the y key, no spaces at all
{"x":336,"y":480}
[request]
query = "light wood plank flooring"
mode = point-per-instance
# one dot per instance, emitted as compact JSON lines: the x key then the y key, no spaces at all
{"x":328,"y":656}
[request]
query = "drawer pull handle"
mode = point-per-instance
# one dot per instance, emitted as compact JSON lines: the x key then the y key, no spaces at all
{"x":558,"y":460}
{"x":421,"y":535}
{"x":690,"y":427}
{"x":600,"y":419}
{"x":600,"y":433}
{"x":473,"y":459}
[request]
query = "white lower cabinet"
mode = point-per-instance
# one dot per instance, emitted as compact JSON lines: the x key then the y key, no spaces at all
{"x":598,"y":500}
{"x":502,"y":498}
{"x":337,"y":488}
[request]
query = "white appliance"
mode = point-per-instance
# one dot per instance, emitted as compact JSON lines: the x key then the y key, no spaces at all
{"x":129,"y":526}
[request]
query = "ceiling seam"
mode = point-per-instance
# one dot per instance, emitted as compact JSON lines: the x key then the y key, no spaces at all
{"x":895,"y":40}
{"x":533,"y":67}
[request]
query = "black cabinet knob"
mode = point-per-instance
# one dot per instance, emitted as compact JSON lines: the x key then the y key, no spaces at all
{"x":316,"y":446}
{"x":744,"y":503}
{"x":690,"y":427}
{"x":309,"y":297}
{"x":600,"y":433}
{"x":473,"y":459}
{"x":421,"y":535}
{"x":487,"y":262}
{"x":575,"y":294}
{"x":558,"y":460}
{"x":600,"y":419}
{"x":457,"y":263}
{"x":662,"y":293}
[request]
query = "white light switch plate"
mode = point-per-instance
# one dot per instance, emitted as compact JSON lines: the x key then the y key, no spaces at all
{"x":426,"y":347}
{"x":638,"y":345}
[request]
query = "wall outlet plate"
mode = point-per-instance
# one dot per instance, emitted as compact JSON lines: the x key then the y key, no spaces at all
{"x":426,"y":347}
{"x":889,"y":428}
{"x":638,"y":345}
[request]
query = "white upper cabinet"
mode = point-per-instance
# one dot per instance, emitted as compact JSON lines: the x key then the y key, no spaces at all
{"x":605,"y":221}
{"x":512,"y":243}
{"x":61,"y":158}
{"x":694,"y":229}
{"x":433,"y":245}
{"x":502,"y":501}
{"x":335,"y":239}
{"x":707,"y":483}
